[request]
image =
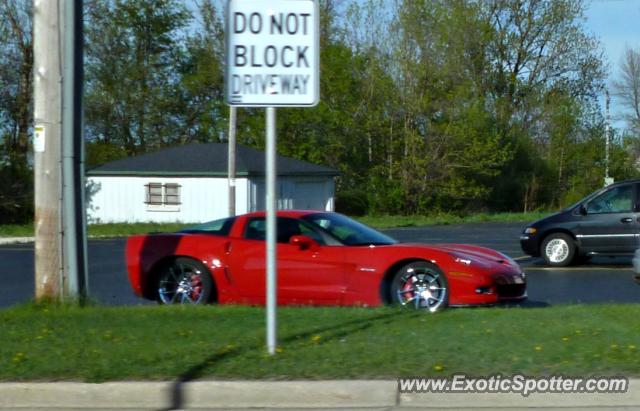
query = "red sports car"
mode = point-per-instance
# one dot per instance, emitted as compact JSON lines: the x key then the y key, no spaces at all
{"x":323,"y":259}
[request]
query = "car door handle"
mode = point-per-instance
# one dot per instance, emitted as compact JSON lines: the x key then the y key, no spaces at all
{"x":626,"y":220}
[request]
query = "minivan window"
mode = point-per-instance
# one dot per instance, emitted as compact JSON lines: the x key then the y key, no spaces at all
{"x":616,"y":200}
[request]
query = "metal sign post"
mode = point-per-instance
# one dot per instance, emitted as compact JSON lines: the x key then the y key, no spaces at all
{"x":273,"y":59}
{"x":231,"y":175}
{"x":272,"y":264}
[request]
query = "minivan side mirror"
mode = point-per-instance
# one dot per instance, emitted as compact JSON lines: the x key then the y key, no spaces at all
{"x":583,"y":209}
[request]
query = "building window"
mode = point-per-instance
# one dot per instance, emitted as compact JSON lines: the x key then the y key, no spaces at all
{"x":164,"y":197}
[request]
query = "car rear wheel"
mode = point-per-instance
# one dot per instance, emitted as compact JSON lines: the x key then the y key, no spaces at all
{"x":558,"y":250}
{"x":420,"y":285}
{"x":184,"y":281}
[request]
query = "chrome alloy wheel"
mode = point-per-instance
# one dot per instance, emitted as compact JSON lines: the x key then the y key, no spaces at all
{"x":422,"y":288}
{"x":181,"y":284}
{"x":557,"y":250}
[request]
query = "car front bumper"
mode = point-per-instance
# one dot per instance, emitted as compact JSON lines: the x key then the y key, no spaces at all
{"x":508,"y":285}
{"x":529,"y":245}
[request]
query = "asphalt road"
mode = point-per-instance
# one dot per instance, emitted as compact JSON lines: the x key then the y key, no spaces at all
{"x":599,"y":281}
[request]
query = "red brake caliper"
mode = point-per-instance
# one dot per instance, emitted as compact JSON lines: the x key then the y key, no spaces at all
{"x":196,"y":286}
{"x":407,"y":288}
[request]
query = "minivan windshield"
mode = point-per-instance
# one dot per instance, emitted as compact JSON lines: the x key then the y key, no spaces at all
{"x":586,"y":199}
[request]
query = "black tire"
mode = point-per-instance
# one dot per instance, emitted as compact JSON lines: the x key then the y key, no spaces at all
{"x":421,"y":285}
{"x":184,"y":281}
{"x":558,"y":250}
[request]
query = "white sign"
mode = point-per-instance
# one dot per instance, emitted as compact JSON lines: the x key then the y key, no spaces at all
{"x":39,"y":139}
{"x":272,"y":53}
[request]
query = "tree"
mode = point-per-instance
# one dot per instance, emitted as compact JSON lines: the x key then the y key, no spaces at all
{"x":447,"y":149}
{"x":627,"y":88}
{"x":134,"y":48}
{"x":203,"y":109}
{"x":538,"y":50}
{"x":16,"y":115}
{"x":16,"y":79}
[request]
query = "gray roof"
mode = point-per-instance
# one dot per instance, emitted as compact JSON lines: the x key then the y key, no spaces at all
{"x":208,"y":159}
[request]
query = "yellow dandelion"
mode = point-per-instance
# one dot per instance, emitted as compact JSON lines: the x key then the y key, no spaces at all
{"x":538,"y":348}
{"x":19,"y":357}
{"x":279,"y":349}
{"x":316,"y":338}
{"x":438,"y":367}
{"x":565,"y":339}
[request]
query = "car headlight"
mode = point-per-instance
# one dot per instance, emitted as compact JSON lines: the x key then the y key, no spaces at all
{"x":530,"y":230}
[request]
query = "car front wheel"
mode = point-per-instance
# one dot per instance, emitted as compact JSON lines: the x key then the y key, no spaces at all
{"x":558,"y":250}
{"x":420,"y":285}
{"x":185,"y":281}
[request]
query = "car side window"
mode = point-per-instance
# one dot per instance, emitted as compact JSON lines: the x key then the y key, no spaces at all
{"x":311,"y":233}
{"x":616,"y":200}
{"x":256,"y":229}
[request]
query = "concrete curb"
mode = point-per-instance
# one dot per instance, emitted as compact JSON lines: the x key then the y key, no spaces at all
{"x":24,"y":240}
{"x":16,"y":240}
{"x":199,"y":395}
{"x":354,"y":394}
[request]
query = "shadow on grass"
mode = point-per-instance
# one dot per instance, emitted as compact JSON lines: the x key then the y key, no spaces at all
{"x":336,"y":332}
{"x":524,"y":304}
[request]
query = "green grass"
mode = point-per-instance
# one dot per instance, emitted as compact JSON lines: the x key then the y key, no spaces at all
{"x":159,"y":343}
{"x":125,"y":229}
{"x":447,"y":218}
{"x":99,"y":230}
{"x":16,"y":230}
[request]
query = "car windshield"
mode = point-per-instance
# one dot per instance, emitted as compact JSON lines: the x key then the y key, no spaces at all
{"x":584,"y":200}
{"x":348,"y":231}
{"x":219,"y":227}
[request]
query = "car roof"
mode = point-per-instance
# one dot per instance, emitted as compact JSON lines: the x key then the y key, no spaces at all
{"x":286,"y":213}
{"x":623,"y":182}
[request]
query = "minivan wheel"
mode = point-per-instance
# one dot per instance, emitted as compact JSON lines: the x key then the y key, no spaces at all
{"x":558,"y":250}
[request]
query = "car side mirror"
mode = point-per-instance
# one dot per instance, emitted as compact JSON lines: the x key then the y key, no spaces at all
{"x":303,"y":242}
{"x":583,"y":209}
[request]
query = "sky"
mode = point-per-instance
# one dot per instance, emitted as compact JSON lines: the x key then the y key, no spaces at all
{"x":617,"y":24}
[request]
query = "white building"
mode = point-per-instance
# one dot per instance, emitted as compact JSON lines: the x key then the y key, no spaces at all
{"x":189,"y":184}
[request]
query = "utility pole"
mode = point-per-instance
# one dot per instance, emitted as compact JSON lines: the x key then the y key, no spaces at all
{"x":607,"y":180}
{"x":47,"y":168}
{"x":232,"y":160}
{"x":60,"y":240}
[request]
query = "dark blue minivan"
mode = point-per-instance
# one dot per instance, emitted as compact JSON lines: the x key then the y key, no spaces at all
{"x":606,"y":222}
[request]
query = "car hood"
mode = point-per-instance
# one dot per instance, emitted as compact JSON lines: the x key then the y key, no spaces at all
{"x":479,"y":255}
{"x":560,"y":216}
